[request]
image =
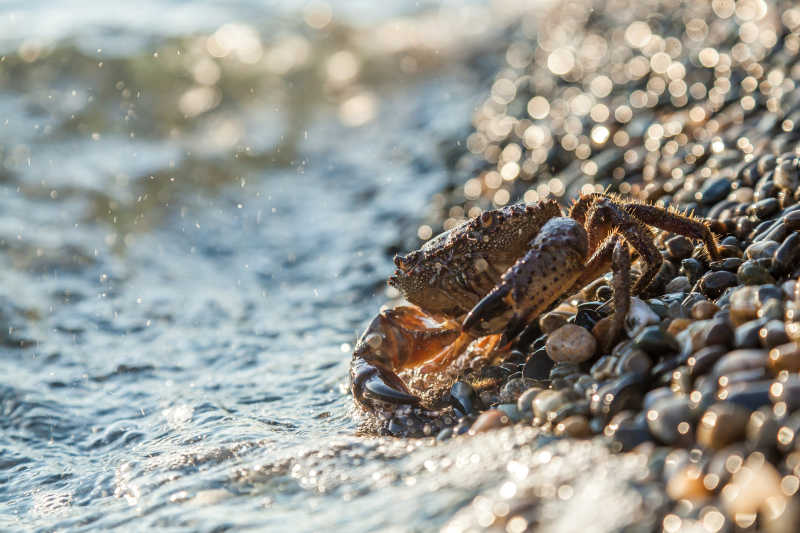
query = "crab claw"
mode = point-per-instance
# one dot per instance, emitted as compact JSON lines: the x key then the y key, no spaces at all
{"x":491,"y":314}
{"x":399,"y":338}
{"x":372,"y":383}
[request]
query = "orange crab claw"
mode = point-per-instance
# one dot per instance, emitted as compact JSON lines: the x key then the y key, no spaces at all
{"x":398,"y":338}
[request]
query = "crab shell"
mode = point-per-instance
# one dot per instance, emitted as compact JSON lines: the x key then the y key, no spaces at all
{"x":452,"y":272}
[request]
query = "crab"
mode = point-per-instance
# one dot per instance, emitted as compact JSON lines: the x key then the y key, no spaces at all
{"x":491,"y":276}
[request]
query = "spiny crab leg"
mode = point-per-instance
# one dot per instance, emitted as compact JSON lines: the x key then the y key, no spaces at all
{"x":397,"y":338}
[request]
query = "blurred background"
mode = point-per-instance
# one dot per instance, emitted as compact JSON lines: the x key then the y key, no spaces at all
{"x":198,"y":206}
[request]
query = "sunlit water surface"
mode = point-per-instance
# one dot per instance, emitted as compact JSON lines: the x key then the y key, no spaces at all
{"x":198,"y":207}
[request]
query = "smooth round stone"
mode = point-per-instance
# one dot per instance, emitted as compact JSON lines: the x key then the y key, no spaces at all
{"x":713,"y":284}
{"x":692,"y":269}
{"x":751,"y":273}
{"x":761,"y":249}
{"x":655,"y":341}
{"x":787,"y":392}
{"x":730,"y":264}
{"x":739,"y":360}
{"x":746,"y":335}
{"x":513,"y":389}
{"x":679,"y":247}
{"x":714,"y":190}
{"x":548,"y":401}
{"x":489,"y":420}
{"x":654,"y":396}
{"x":704,"y":359}
{"x":765,"y":208}
{"x":634,"y":361}
{"x":786,"y":175}
{"x":772,"y":334}
{"x":785,"y":357}
{"x":575,"y":426}
{"x":623,"y":393}
{"x":670,"y":420}
{"x":571,"y":344}
{"x":525,"y":402}
{"x":772,"y":309}
{"x":679,"y":284}
{"x":511,"y":411}
{"x":762,"y":429}
{"x":445,"y":434}
{"x":787,"y":254}
{"x":639,"y":316}
{"x":677,"y":325}
{"x":722,"y":424}
{"x":626,"y":431}
{"x":703,"y":310}
{"x":718,"y":331}
{"x":750,"y":395}
{"x":743,"y":305}
{"x":538,"y":365}
{"x":604,"y":368}
{"x":552,"y":321}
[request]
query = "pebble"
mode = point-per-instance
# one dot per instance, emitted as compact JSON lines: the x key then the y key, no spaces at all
{"x":722,"y":424}
{"x":714,"y":190}
{"x":787,"y":254}
{"x":752,"y":273}
{"x":489,"y":420}
{"x":762,"y":429}
{"x":670,"y":420}
{"x":571,"y":343}
{"x":761,"y":249}
{"x":746,"y":335}
{"x":738,"y":360}
{"x":743,"y":305}
{"x":656,"y":342}
{"x":538,"y":366}
{"x":786,"y":391}
{"x":679,"y":247}
{"x":703,"y":310}
{"x":785,"y":357}
{"x":679,"y":284}
{"x":511,"y":411}
{"x":552,"y":321}
{"x":525,"y":402}
{"x":548,"y":401}
{"x":513,"y":389}
{"x":772,"y":334}
{"x":713,"y":284}
{"x":575,"y":426}
{"x":639,"y":316}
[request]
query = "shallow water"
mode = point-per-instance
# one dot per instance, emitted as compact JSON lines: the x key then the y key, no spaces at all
{"x":193,"y":234}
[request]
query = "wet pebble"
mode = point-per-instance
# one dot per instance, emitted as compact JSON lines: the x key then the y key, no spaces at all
{"x":679,"y":284}
{"x":703,"y":310}
{"x":489,"y":420}
{"x":656,"y":342}
{"x":752,"y":273}
{"x":785,"y":357}
{"x":513,"y":388}
{"x":525,"y":402}
{"x":571,"y":343}
{"x":679,"y":247}
{"x":744,"y":305}
{"x":538,"y":366}
{"x":713,"y":284}
{"x":761,"y":249}
{"x":639,"y":316}
{"x":670,"y":420}
{"x":575,"y":426}
{"x":722,"y":424}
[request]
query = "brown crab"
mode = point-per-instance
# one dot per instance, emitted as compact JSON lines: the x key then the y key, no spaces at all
{"x":492,"y":275}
